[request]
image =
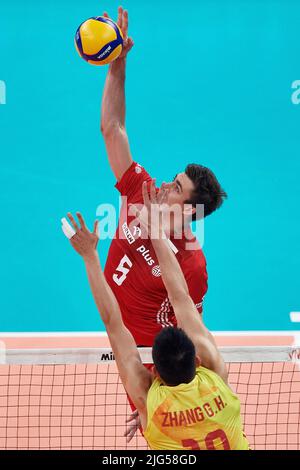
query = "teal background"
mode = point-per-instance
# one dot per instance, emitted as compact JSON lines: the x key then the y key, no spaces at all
{"x":208,"y":82}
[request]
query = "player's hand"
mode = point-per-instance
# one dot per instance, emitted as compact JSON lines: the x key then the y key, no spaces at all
{"x":133,"y":424}
{"x":150,"y":216}
{"x":123,"y":25}
{"x":154,"y":200}
{"x":84,"y":241}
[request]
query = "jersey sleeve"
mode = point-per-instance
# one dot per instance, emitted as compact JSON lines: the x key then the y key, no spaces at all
{"x":130,"y":184}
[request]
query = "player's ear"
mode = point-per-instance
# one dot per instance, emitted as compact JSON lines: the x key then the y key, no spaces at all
{"x":154,"y":372}
{"x":198,"y":361}
{"x":189,"y":210}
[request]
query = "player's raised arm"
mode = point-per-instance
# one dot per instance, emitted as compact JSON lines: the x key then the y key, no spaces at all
{"x":186,"y":313}
{"x":136,"y":379}
{"x":113,"y":106}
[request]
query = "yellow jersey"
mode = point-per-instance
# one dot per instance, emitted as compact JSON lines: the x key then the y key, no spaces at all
{"x":203,"y":414}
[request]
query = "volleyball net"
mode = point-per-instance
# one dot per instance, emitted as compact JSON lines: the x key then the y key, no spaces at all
{"x":74,"y":399}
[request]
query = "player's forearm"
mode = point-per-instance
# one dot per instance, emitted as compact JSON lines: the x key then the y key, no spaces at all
{"x":171,"y":272}
{"x":186,"y":314}
{"x":120,"y":338}
{"x":113,"y":100}
{"x":104,"y":297}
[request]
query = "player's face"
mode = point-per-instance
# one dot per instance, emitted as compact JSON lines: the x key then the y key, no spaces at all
{"x":180,"y":190}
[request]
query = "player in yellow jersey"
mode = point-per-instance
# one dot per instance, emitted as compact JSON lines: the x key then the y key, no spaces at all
{"x":186,"y":403}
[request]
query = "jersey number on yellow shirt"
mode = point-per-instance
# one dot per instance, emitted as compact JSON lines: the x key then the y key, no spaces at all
{"x":209,"y":441}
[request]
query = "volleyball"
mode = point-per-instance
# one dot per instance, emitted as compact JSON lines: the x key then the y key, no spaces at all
{"x":99,"y":40}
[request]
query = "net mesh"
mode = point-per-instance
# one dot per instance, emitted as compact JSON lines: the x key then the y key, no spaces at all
{"x":84,"y":406}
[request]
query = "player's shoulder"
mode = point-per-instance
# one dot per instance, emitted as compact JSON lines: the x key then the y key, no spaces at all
{"x":192,"y":257}
{"x":187,"y":244}
{"x":208,"y":375}
{"x":138,"y":169}
{"x":134,"y":173}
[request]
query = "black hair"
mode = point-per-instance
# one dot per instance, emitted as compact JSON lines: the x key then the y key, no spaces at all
{"x":174,"y":356}
{"x":207,"y":190}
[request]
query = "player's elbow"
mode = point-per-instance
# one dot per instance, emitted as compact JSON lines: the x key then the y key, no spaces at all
{"x":225,"y":374}
{"x":110,"y":128}
{"x":111,"y":325}
{"x":179,"y":295}
{"x":180,"y":300}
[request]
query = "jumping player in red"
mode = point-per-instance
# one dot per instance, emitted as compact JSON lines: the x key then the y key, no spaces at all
{"x":132,"y":270}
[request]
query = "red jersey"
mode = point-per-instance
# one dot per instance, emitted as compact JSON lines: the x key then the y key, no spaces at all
{"x":133,"y":272}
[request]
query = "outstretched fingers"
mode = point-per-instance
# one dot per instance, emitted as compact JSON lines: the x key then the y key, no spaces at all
{"x":162,"y":194}
{"x":96,"y":228}
{"x":134,"y":211}
{"x":130,"y":432}
{"x":133,"y":424}
{"x":82,"y":221}
{"x":129,"y":44}
{"x":73,"y":222}
{"x":133,"y":416}
{"x":145,"y":194}
{"x":120,"y":18}
{"x":153,"y":192}
{"x":125,"y":23}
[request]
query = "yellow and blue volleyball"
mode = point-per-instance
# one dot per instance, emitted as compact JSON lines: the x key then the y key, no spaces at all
{"x":99,"y":40}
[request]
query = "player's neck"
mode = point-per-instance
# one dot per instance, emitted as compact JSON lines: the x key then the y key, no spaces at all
{"x":178,"y":229}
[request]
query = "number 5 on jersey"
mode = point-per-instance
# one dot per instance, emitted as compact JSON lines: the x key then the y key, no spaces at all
{"x":119,"y":279}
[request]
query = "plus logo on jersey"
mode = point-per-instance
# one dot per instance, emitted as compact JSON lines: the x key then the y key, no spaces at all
{"x":145,"y":253}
